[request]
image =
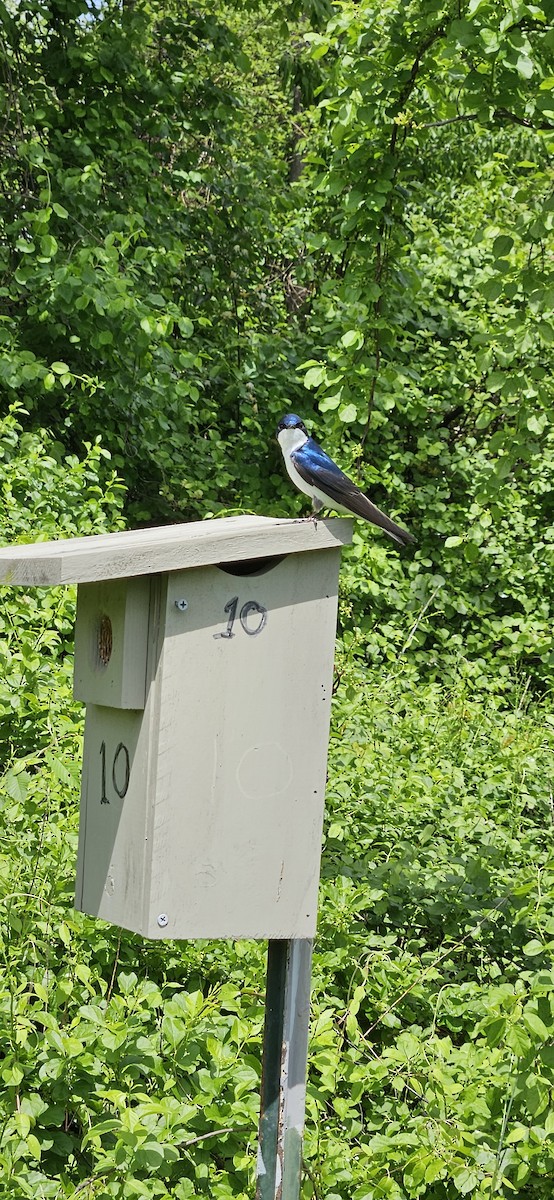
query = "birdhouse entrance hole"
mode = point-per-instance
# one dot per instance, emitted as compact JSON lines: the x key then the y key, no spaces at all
{"x":251,"y":566}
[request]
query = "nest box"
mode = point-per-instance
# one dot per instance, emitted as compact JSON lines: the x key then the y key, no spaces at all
{"x":204,"y":656}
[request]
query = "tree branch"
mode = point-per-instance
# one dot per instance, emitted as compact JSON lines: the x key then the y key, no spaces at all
{"x":499,"y":114}
{"x":502,"y":114}
{"x":449,"y":121}
{"x":411,"y":80}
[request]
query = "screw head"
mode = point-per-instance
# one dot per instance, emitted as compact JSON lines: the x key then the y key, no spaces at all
{"x":163,"y":920}
{"x":182,"y":605}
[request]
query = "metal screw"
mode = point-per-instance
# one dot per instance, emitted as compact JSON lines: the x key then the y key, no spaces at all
{"x":182,"y":605}
{"x":163,"y":920}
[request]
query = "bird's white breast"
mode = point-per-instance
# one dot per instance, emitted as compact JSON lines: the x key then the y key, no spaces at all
{"x":289,"y":440}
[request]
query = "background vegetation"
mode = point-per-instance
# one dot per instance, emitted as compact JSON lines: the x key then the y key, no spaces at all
{"x":209,"y":216}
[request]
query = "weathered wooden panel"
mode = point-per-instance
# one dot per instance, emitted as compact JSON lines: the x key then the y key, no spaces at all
{"x":169,"y":548}
{"x":112,"y":864}
{"x":111,"y":643}
{"x":214,"y":830}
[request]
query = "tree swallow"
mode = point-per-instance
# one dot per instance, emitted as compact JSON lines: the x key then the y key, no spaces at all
{"x":315,"y":474}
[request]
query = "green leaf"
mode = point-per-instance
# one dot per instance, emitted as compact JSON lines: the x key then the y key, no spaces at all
{"x":532,"y":948}
{"x":12,"y":1075}
{"x":16,"y":784}
{"x":525,"y":66}
{"x":535,"y":1025}
{"x":48,"y":246}
{"x":537,"y":424}
{"x":330,"y":403}
{"x":466,"y":1180}
{"x":22,"y":1123}
{"x":61,"y":772}
{"x":33,"y":1146}
{"x":127,"y":982}
{"x":546,"y":332}
{"x":151,"y":1155}
{"x":495,"y":1031}
{"x":518,"y":1040}
{"x":352,"y":337}
{"x":491,"y":289}
{"x":502,"y":246}
{"x":97,"y":1130}
{"x":314,"y":377}
{"x":348,"y":414}
{"x":59,"y":368}
{"x":243,"y":62}
{"x":484,"y":419}
{"x":503,"y":467}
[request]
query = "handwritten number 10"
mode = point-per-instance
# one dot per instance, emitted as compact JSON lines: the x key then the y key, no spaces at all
{"x":251,"y":626}
{"x":121,"y":772}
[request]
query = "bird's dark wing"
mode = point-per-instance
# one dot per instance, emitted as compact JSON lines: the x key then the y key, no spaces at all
{"x":316,"y":468}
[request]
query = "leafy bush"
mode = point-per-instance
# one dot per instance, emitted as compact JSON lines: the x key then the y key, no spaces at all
{"x":164,"y":281}
{"x":140,"y":254}
{"x":427,"y":183}
{"x":44,"y":493}
{"x":131,"y":1068}
{"x":432,"y":1062}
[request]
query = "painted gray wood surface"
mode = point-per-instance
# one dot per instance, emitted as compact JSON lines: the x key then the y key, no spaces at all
{"x":202,"y":811}
{"x":111,"y":643}
{"x":168,"y":548}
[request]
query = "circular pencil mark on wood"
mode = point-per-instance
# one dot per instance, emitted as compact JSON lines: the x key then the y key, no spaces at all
{"x":264,"y":771}
{"x":105,"y":641}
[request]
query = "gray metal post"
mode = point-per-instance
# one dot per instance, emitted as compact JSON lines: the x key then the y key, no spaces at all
{"x":285,"y":1053}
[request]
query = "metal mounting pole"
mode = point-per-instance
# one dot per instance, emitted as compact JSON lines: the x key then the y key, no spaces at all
{"x":285,"y":1053}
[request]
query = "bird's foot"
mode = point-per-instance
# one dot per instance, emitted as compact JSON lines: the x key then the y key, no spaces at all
{"x":311,"y":517}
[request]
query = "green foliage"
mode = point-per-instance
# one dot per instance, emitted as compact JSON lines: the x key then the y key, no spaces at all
{"x":166,"y":294}
{"x":165,"y":284}
{"x":44,"y":493}
{"x":431,"y":1050}
{"x":131,"y":1069}
{"x":429,"y":185}
{"x":140,"y":258}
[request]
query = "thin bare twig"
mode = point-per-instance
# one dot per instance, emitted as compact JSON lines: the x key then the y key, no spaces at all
{"x":114,"y":969}
{"x":213,"y":1133}
{"x":418,"y":621}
